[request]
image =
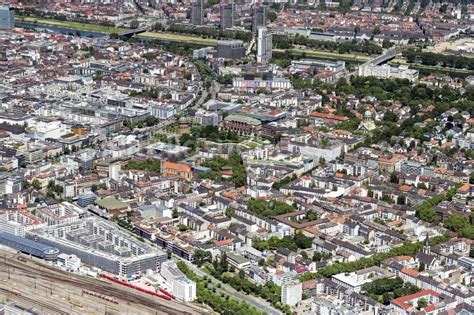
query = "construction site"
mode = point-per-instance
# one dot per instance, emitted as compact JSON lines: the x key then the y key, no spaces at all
{"x":29,"y":285}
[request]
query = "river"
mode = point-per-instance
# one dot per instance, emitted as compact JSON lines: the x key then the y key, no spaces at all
{"x":74,"y":32}
{"x":59,"y":29}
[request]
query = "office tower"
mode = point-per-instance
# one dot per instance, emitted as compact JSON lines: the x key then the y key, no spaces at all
{"x":227,"y":15}
{"x":259,"y":17}
{"x":230,"y":49}
{"x":7,"y":18}
{"x":197,"y":14}
{"x":264,"y":45}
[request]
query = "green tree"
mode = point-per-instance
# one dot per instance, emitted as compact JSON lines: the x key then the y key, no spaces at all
{"x":134,"y":24}
{"x":322,"y":161}
{"x":422,"y":303}
{"x":36,"y":184}
{"x":375,"y":31}
{"x":175,"y":213}
{"x":455,"y":223}
{"x":182,"y":227}
{"x":356,"y":30}
{"x":390,"y":116}
{"x":394,"y":178}
{"x":201,"y":256}
{"x":421,"y":186}
{"x":229,"y":212}
{"x":271,"y":16}
{"x":223,"y":262}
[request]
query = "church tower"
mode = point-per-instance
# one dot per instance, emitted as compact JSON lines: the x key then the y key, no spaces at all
{"x":426,"y":246}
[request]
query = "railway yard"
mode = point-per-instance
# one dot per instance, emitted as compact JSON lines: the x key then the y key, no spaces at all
{"x":47,"y":290}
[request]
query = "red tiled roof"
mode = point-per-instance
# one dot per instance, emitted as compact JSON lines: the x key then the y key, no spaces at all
{"x":410,"y":272}
{"x":464,"y":188}
{"x":328,"y":116}
{"x":402,"y":301}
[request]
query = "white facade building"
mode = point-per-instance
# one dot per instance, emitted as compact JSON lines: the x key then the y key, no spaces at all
{"x":183,"y":288}
{"x":317,"y":151}
{"x":291,"y":292}
{"x":388,"y":72}
{"x":114,"y":171}
{"x":264,"y":45}
{"x":13,"y":185}
{"x":70,"y":262}
{"x":163,"y":111}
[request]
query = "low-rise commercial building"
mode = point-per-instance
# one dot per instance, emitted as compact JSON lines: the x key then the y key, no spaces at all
{"x":230,"y":49}
{"x":388,"y":72}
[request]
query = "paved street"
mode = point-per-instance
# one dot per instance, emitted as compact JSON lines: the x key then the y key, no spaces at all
{"x":252,"y":300}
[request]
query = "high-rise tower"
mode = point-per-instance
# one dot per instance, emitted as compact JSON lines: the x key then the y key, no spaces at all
{"x":197,"y":12}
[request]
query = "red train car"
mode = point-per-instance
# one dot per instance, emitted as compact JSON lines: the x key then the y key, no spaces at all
{"x":167,"y":293}
{"x":128,"y":284}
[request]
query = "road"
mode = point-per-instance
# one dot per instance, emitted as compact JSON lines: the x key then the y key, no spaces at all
{"x":259,"y":303}
{"x":385,"y":56}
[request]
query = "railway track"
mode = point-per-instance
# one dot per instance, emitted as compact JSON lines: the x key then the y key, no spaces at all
{"x":16,"y":296}
{"x":107,"y":288}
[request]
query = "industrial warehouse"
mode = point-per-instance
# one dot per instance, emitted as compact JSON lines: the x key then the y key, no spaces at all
{"x":101,"y":245}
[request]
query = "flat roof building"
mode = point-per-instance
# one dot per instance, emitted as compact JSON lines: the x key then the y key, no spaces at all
{"x":355,"y":280}
{"x":227,"y":15}
{"x":230,"y":49}
{"x":197,"y":12}
{"x":183,"y":288}
{"x":101,"y":244}
{"x":29,"y":246}
{"x":291,"y":292}
{"x":388,"y":72}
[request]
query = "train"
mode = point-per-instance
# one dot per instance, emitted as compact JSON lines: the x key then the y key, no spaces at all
{"x":101,"y":296}
{"x":167,"y":293}
{"x":166,"y":296}
{"x":75,"y":303}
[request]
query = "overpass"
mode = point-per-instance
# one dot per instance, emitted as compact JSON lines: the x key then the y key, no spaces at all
{"x":386,"y":56}
{"x":130,"y":33}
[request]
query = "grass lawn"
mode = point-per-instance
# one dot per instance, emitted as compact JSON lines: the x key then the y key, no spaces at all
{"x":418,"y":66}
{"x":327,"y":54}
{"x":73,"y":25}
{"x":180,"y":38}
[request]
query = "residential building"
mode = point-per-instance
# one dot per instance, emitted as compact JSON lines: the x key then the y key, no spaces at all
{"x":291,"y":292}
{"x":388,"y":72}
{"x":197,"y":12}
{"x":227,"y":15}
{"x":259,"y":15}
{"x":264,"y":45}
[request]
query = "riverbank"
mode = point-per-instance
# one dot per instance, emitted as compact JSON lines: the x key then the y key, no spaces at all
{"x":180,"y":38}
{"x":324,"y":55}
{"x":74,"y":26}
